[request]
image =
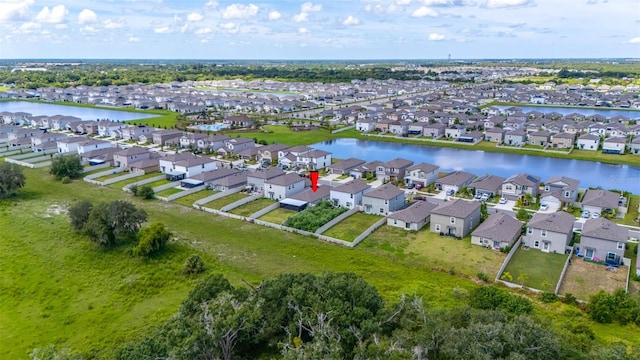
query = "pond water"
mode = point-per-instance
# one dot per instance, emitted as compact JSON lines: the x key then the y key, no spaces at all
{"x":607,"y":113}
{"x":84,"y":113}
{"x":622,"y":177}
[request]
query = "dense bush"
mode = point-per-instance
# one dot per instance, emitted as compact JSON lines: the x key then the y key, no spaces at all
{"x":619,"y":306}
{"x":11,"y":179}
{"x":152,"y":240}
{"x":495,"y":298}
{"x":145,"y":192}
{"x":313,"y":218}
{"x":194,"y":265}
{"x":66,"y":166}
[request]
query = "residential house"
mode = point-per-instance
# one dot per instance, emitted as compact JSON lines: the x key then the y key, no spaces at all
{"x":588,"y":142}
{"x":422,"y":173}
{"x":603,"y":240}
{"x":46,"y":141}
{"x":563,"y":140}
{"x":614,"y":145}
{"x":345,"y":166}
{"x":365,"y":125}
{"x":550,"y":232}
{"x":399,"y":127}
{"x":238,"y":121}
{"x":393,"y":170}
{"x":498,"y":231}
{"x":454,"y":131}
{"x":208,"y":177}
{"x":212,"y":143}
{"x":97,"y":157}
{"x":124,"y":158}
{"x":365,"y":170}
{"x":190,"y":140}
{"x":496,"y":135}
{"x":133,"y":133}
{"x":93,"y":144}
{"x":163,"y":137}
{"x":487,"y":184}
{"x":269,"y":153}
{"x":284,"y":186}
{"x":519,"y":185}
{"x":110,"y":129}
{"x":635,"y":145}
{"x":314,"y":159}
{"x":308,"y":197}
{"x":455,"y":218}
{"x":597,"y":200}
{"x":516,"y":137}
{"x":257,"y":178}
{"x":539,"y":138}
{"x":413,"y":217}
{"x":70,"y":144}
{"x":349,"y":195}
{"x":383,"y":200}
{"x":185,"y":165}
{"x":560,"y":190}
{"x":435,"y":130}
{"x":229,"y":182}
{"x":454,"y":181}
{"x":236,"y":145}
{"x":472,"y":137}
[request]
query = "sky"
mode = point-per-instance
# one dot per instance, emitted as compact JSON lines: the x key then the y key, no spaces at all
{"x":320,"y":29}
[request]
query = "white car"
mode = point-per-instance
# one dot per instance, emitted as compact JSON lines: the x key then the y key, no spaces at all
{"x":544,"y":207}
{"x":502,"y":201}
{"x":484,"y":197}
{"x":595,"y":215}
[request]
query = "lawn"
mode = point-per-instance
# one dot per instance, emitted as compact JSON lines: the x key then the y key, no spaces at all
{"x":349,"y":228}
{"x":277,"y":216}
{"x":632,"y":214}
{"x":253,"y":206}
{"x":188,"y":200}
{"x":110,"y":176}
{"x":169,"y":191}
{"x":120,"y":184}
{"x":166,"y":119}
{"x":585,"y":278}
{"x":282,"y":134}
{"x":437,"y":252}
{"x":224,"y":201}
{"x":535,"y":269}
{"x":157,"y":183}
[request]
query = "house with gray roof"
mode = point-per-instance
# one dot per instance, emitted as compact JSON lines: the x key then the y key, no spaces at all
{"x":454,"y":181}
{"x":455,"y":218}
{"x":435,"y":131}
{"x":310,"y":197}
{"x":498,"y":231}
{"x":283,"y":186}
{"x":349,"y":195}
{"x":344,"y":167}
{"x":208,"y":177}
{"x":540,"y":138}
{"x":229,"y":182}
{"x":635,"y":145}
{"x":517,"y":137}
{"x":563,"y":140}
{"x":422,"y":173}
{"x":163,"y":137}
{"x":365,"y":170}
{"x":588,"y":142}
{"x":383,"y":200}
{"x":603,"y":240}
{"x":124,"y":158}
{"x":257,"y":178}
{"x":393,"y":170}
{"x":598,"y":200}
{"x":560,"y":189}
{"x":519,"y":185}
{"x":270,"y":152}
{"x":487,"y":184}
{"x":614,"y":145}
{"x":549,"y":232}
{"x":495,"y":135}
{"x":413,"y":217}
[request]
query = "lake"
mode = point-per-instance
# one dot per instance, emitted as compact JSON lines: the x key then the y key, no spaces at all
{"x":622,"y":177}
{"x":84,"y":113}
{"x":607,"y":113}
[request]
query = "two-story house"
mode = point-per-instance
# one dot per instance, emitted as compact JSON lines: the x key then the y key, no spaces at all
{"x":393,"y":170}
{"x":603,"y":240}
{"x":283,"y":186}
{"x":124,"y":158}
{"x":383,"y":200}
{"x":92,"y":145}
{"x":349,"y":195}
{"x":257,"y":178}
{"x":454,"y":181}
{"x":550,"y":232}
{"x":498,"y":231}
{"x":422,"y":173}
{"x":559,"y":190}
{"x":269,"y":153}
{"x":487,"y":184}
{"x":455,"y":218}
{"x":345,"y":166}
{"x":519,"y":185}
{"x":516,"y":137}
{"x":588,"y":142}
{"x":614,"y":145}
{"x":563,"y":140}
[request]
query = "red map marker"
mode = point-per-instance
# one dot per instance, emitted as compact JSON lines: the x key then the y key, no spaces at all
{"x":314,"y":180}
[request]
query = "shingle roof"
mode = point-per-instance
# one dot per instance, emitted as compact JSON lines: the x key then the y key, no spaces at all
{"x":387,"y":191}
{"x":352,"y":187}
{"x":604,"y":229}
{"x":135,"y":150}
{"x":487,"y":182}
{"x":571,"y":183}
{"x":499,"y":227}
{"x":311,"y":196}
{"x":524,"y":179}
{"x":215,"y":174}
{"x":424,"y":167}
{"x":346,"y":164}
{"x":417,"y":212}
{"x":560,"y":222}
{"x":458,"y":208}
{"x":397,"y":163}
{"x":267,"y":173}
{"x":601,"y":198}
{"x":456,"y":178}
{"x":284,"y":180}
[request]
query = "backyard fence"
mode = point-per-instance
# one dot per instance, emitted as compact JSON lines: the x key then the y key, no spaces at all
{"x":335,"y":220}
{"x":368,"y":232}
{"x":564,"y":271}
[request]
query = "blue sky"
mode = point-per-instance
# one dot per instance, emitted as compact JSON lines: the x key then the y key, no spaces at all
{"x":323,"y":29}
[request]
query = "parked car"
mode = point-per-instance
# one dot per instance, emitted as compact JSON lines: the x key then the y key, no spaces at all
{"x":503,"y":201}
{"x":450,"y":192}
{"x":484,"y":197}
{"x":423,"y":198}
{"x":418,"y":186}
{"x":544,"y":207}
{"x":586,"y":214}
{"x":478,"y":196}
{"x":595,"y":215}
{"x":411,"y":185}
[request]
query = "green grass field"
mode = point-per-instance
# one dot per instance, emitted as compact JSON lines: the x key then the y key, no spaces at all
{"x":252,"y":207}
{"x":188,"y":200}
{"x":535,"y":269}
{"x":121,"y":184}
{"x":224,"y":201}
{"x":169,"y":191}
{"x":157,"y":183}
{"x":632,"y":215}
{"x":277,"y":216}
{"x":349,"y":228}
{"x":282,"y":134}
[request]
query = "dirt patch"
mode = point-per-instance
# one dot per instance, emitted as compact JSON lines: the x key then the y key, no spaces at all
{"x":55,"y":209}
{"x":584,"y":278}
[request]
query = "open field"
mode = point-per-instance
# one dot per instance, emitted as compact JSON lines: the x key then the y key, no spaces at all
{"x":349,"y":228}
{"x":121,"y":184}
{"x":252,"y":207}
{"x":585,"y":278}
{"x":224,"y":201}
{"x":282,"y":134}
{"x":632,"y":216}
{"x":435,"y":251}
{"x":535,"y":269}
{"x":157,"y":183}
{"x":169,"y":191}
{"x":188,"y":200}
{"x":277,"y":216}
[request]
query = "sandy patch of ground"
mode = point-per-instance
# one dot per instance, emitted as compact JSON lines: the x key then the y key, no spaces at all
{"x":55,"y":209}
{"x":584,"y":278}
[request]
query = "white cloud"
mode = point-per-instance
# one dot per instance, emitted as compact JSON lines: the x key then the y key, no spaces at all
{"x":423,"y":11}
{"x":309,"y":7}
{"x":436,"y":37}
{"x":303,"y":30}
{"x":496,"y":4}
{"x":380,"y":9}
{"x":114,"y":24}
{"x":228,"y":26}
{"x":29,"y":27}
{"x":14,"y":9}
{"x":134,"y":39}
{"x":239,"y":11}
{"x":444,"y":2}
{"x":162,"y":30}
{"x":300,"y":17}
{"x":350,"y":20}
{"x":203,"y":31}
{"x":635,"y":40}
{"x":87,"y":16}
{"x":274,"y":15}
{"x":54,"y":16}
{"x":89,"y":30}
{"x":194,"y":16}
{"x":211,"y":4}
{"x":61,"y":26}
{"x":403,"y":2}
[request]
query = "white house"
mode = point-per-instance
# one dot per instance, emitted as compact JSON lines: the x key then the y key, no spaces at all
{"x":70,"y":144}
{"x":93,"y":144}
{"x":349,"y":195}
{"x":588,"y":142}
{"x":283,"y":186}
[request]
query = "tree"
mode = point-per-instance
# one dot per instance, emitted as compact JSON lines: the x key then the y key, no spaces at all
{"x":145,"y":192}
{"x":11,"y":179}
{"x":79,"y":214}
{"x":194,"y":265}
{"x":152,"y":239}
{"x":118,"y":220}
{"x":523,"y":215}
{"x":66,"y":166}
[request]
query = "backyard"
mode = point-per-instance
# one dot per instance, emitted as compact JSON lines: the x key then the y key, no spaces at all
{"x":120,"y":184}
{"x":585,"y":278}
{"x":226,"y":200}
{"x":435,"y":251}
{"x":169,"y":191}
{"x":535,"y":269}
{"x":349,"y":228}
{"x":251,"y":207}
{"x":277,"y":216}
{"x":188,"y":200}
